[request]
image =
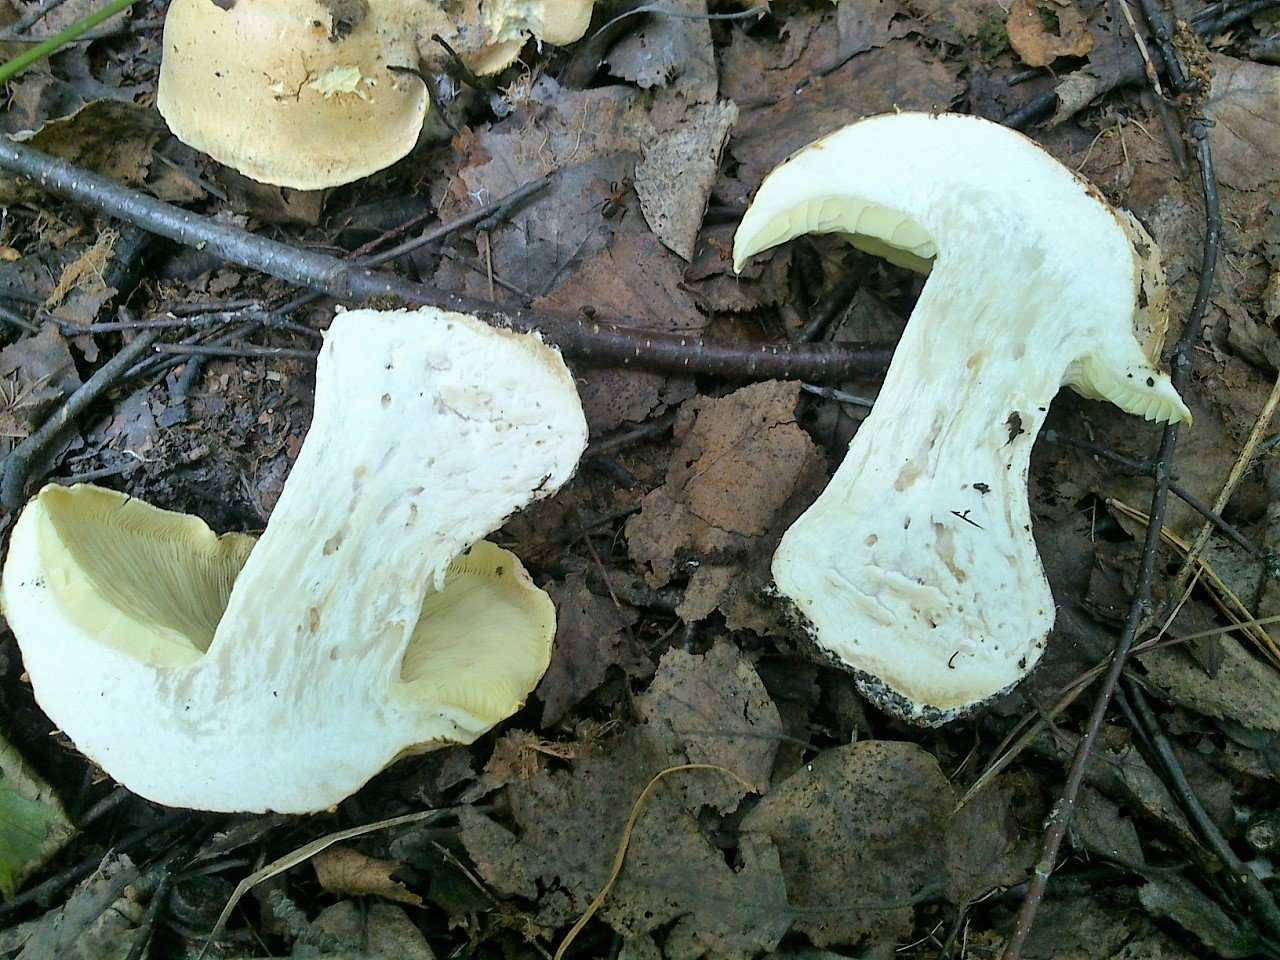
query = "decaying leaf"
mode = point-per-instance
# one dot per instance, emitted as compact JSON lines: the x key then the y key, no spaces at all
{"x":379,"y":931}
{"x":850,"y":843}
{"x":1243,"y":103}
{"x":570,"y":825}
{"x":98,"y":920}
{"x":675,"y":177}
{"x":591,"y":636}
{"x":716,"y":706}
{"x":343,"y":870}
{"x":741,"y":460}
{"x":1041,"y":31}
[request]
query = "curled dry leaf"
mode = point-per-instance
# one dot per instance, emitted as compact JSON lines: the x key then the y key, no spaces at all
{"x":342,"y":870}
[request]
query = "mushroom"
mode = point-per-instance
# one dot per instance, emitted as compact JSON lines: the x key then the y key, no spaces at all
{"x":223,"y":674}
{"x":916,"y":566}
{"x":300,"y":93}
{"x":314,"y":93}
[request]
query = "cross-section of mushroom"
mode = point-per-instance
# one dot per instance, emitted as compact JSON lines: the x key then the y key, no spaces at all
{"x":216,"y":673}
{"x":916,"y":566}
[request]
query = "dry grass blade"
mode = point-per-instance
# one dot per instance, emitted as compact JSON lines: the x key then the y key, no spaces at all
{"x":621,"y":856}
{"x":1223,"y":597}
{"x":301,"y":855}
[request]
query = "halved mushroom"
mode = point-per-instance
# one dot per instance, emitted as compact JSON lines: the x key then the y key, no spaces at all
{"x":314,"y":93}
{"x":216,"y":673}
{"x":916,"y":567}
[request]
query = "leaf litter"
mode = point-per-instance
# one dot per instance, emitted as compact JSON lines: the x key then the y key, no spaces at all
{"x":835,"y":828}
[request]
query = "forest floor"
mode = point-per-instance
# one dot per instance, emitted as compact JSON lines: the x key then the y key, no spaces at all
{"x":844,"y":832}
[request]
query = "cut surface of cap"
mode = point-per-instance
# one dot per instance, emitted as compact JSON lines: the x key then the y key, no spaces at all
{"x":367,"y":621}
{"x":916,"y":567}
{"x":301,"y":93}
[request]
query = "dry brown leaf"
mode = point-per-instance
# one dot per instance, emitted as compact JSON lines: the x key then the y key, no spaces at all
{"x":1041,"y":31}
{"x":740,"y":462}
{"x":570,"y":825}
{"x":1243,"y":103}
{"x":858,"y":824}
{"x":591,"y":637}
{"x":717,"y":707}
{"x":345,"y":871}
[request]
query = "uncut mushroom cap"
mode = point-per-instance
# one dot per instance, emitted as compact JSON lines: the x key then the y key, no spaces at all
{"x":301,"y":93}
{"x":916,"y":566}
{"x":220,"y":674}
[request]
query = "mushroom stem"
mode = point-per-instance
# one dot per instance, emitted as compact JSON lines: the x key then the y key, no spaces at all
{"x":916,"y":566}
{"x":290,"y":688}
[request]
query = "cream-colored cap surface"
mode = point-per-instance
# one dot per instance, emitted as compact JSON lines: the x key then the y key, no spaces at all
{"x":299,"y":93}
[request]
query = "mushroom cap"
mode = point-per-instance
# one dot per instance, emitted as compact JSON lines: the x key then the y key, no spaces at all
{"x":914,"y":187}
{"x":302,"y":93}
{"x":366,"y":622}
{"x":916,"y":567}
{"x":508,"y":23}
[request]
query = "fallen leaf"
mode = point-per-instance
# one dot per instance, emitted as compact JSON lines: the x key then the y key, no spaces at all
{"x":858,"y":824}
{"x":740,"y":461}
{"x":379,"y":931}
{"x":570,"y":825}
{"x":592,"y":636}
{"x":1041,"y":31}
{"x":1243,"y":103}
{"x":98,"y":920}
{"x":669,"y":50}
{"x":33,"y":825}
{"x":716,"y":707}
{"x":679,"y":167}
{"x":345,"y":871}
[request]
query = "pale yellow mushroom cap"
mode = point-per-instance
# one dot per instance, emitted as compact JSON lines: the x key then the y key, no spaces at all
{"x":299,"y":93}
{"x":508,"y":23}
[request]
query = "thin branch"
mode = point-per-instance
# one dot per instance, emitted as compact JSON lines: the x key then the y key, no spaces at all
{"x":17,"y":466}
{"x":1246,"y":881}
{"x":589,"y":340}
{"x":1141,"y":609}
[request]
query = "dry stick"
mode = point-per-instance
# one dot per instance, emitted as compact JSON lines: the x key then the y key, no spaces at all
{"x":589,"y":340}
{"x":485,"y":215}
{"x":1206,"y":23}
{"x":1140,"y":610}
{"x":17,"y":465}
{"x":1255,"y":893}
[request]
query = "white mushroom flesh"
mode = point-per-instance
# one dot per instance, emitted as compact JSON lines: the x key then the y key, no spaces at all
{"x":283,"y":675}
{"x":916,"y":567}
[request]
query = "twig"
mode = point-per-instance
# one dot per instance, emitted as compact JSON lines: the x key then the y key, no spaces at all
{"x":202,"y":350}
{"x":588,"y":340}
{"x":10,"y":316}
{"x":1247,"y":882}
{"x":159,"y":897}
{"x":17,"y":466}
{"x":484,"y":216}
{"x":1140,"y":610}
{"x":1183,"y":494}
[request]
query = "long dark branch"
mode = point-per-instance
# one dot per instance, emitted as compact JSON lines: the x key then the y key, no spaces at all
{"x":587,"y":340}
